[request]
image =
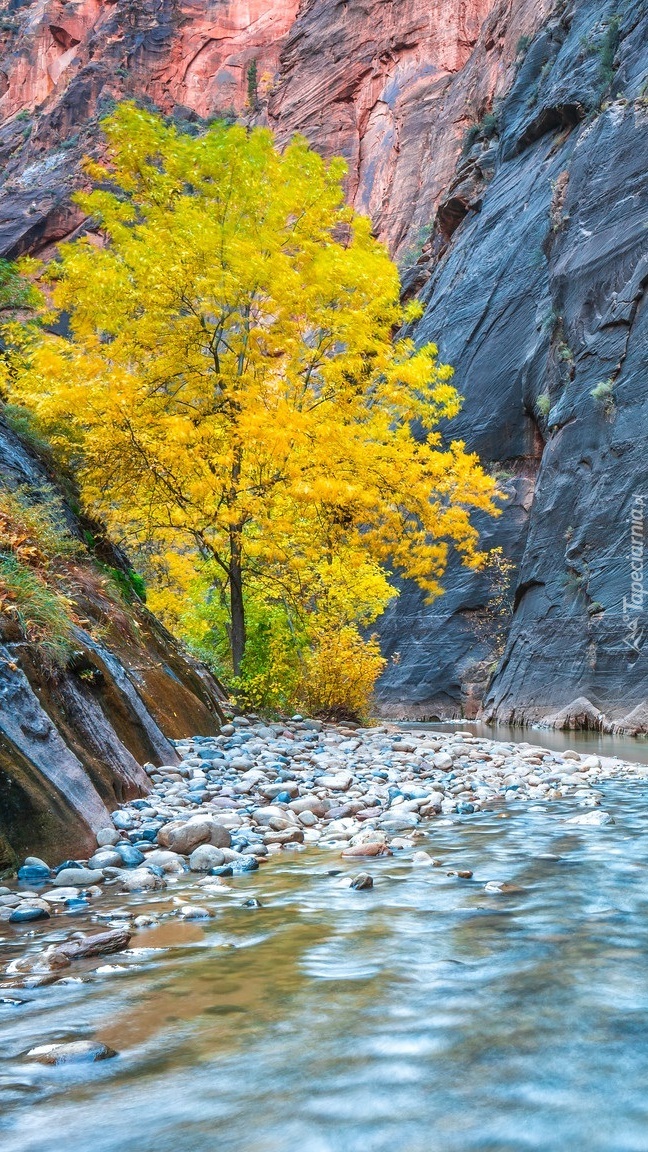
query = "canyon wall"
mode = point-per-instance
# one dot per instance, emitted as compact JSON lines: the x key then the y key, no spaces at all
{"x":72,"y":741}
{"x":498,"y":146}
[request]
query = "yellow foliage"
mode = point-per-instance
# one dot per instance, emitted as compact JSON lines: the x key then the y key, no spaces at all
{"x":339,"y":674}
{"x":231,"y":393}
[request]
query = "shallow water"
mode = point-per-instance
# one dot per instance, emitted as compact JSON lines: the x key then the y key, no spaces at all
{"x":426,"y":1015}
{"x":632,"y":748}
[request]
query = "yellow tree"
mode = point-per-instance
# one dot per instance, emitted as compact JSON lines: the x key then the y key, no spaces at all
{"x":230,"y":386}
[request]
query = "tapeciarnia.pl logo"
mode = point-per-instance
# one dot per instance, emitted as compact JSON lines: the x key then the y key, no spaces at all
{"x":633,"y":605}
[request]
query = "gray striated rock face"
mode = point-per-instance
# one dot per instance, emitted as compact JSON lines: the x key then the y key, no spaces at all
{"x":538,"y":302}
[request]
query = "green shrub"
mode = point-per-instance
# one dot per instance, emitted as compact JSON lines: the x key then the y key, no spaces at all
{"x":253,"y":86}
{"x":129,"y":582}
{"x":484,"y":129}
{"x":603,"y":393}
{"x":607,"y":49}
{"x":543,"y":404}
{"x":522,"y":45}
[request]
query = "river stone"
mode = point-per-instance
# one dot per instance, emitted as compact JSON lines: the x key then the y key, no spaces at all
{"x":34,"y":871}
{"x":28,"y":912}
{"x":284,"y":836}
{"x":194,"y":912}
{"x":265,"y":815}
{"x":78,"y":877}
{"x":141,"y":880}
{"x":400,"y":822}
{"x":238,"y":866}
{"x":338,"y":783}
{"x":290,"y":787}
{"x":98,"y":944}
{"x":370,"y":849}
{"x":29,"y":875}
{"x":307,"y":818}
{"x":362,"y":881}
{"x":106,"y":858}
{"x":442,"y":761}
{"x":129,"y":855}
{"x":309,"y":804}
{"x":123,"y":820}
{"x":183,"y":837}
{"x":206,"y":857}
{"x":422,"y":860}
{"x":281,"y":823}
{"x":106,"y":837}
{"x":75,"y":1052}
{"x":591,"y":819}
{"x":59,"y":895}
{"x":166,"y":860}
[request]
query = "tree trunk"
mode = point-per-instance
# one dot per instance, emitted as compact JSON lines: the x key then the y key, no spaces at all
{"x":237,"y":608}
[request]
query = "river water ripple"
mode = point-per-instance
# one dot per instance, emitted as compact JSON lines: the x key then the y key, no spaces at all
{"x":425,"y":1015}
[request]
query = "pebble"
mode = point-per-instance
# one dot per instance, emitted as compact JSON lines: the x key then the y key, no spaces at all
{"x":28,"y":912}
{"x":75,"y":1052}
{"x":591,"y":819}
{"x":362,"y":880}
{"x":106,"y":837}
{"x":206,"y":857}
{"x":141,"y":880}
{"x":78,"y":877}
{"x":257,"y":789}
{"x":194,"y":912}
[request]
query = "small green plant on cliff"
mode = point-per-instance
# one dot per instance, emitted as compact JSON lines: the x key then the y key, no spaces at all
{"x":16,"y":293}
{"x":565,"y":353}
{"x":603,"y":394}
{"x":607,"y":50}
{"x":484,"y":129}
{"x":128,"y":581}
{"x":252,"y":77}
{"x":543,"y":404}
{"x":522,"y":45}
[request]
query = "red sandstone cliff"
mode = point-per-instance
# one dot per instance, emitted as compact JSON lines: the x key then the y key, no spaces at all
{"x":391,"y":85}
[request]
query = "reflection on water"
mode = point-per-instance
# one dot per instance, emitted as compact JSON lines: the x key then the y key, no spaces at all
{"x":632,"y":748}
{"x":426,"y":1015}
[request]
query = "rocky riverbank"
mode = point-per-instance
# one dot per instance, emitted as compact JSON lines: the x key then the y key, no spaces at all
{"x":258,"y":789}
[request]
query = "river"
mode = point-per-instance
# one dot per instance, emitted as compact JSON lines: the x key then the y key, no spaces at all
{"x":425,"y":1015}
{"x":632,"y":748}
